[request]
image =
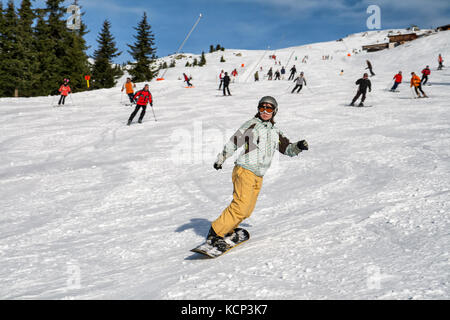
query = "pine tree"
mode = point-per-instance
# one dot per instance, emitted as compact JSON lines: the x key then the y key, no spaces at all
{"x":1,"y":49}
{"x":195,"y":63}
{"x":143,"y":52}
{"x":218,"y":47}
{"x":52,"y":45}
{"x":27,"y":56}
{"x":202,"y":60}
{"x":222,"y":59}
{"x":211,"y":49}
{"x":10,"y":72}
{"x":103,"y":72}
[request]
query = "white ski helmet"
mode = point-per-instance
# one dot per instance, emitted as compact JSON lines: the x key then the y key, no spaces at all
{"x":269,"y":100}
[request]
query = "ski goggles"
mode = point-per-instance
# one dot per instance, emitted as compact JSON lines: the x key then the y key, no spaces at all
{"x":266,"y":109}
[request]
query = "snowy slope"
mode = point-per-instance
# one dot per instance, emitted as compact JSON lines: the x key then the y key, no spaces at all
{"x":363,"y":214}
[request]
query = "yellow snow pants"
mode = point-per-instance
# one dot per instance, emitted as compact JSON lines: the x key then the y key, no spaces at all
{"x":246,"y":190}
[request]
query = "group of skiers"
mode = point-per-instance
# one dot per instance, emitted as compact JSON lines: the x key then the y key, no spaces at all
{"x":142,"y":98}
{"x":416,"y":82}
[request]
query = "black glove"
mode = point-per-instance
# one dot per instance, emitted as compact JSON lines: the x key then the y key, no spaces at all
{"x":217,"y":166}
{"x":302,"y":145}
{"x":151,"y":104}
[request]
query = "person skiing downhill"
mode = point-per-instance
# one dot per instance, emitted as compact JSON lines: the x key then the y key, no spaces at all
{"x":234,"y":73}
{"x":221,"y":75}
{"x":187,"y":80}
{"x":425,"y":73}
{"x":277,"y":75}
{"x":398,"y":79}
{"x":128,"y":87}
{"x":299,"y":81}
{"x":260,"y":138}
{"x":144,"y":97}
{"x":226,"y":84}
{"x":364,"y":84}
{"x":283,"y":72}
{"x":269,"y":74}
{"x":440,"y":61}
{"x":293,"y":72}
{"x":256,"y":76}
{"x":416,"y":82}
{"x":64,"y":90}
{"x":369,"y":66}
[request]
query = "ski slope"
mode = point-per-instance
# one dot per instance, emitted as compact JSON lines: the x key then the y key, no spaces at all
{"x":93,"y":209}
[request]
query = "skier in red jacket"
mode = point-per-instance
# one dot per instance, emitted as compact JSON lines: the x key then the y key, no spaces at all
{"x":65,"y":90}
{"x":425,"y":73}
{"x":398,"y":79}
{"x":187,"y":80}
{"x":144,"y":97}
{"x":440,"y":61}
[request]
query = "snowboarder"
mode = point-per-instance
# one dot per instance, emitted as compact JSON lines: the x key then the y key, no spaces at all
{"x":270,"y":74}
{"x":260,"y":138}
{"x":187,"y":80}
{"x":226,"y":84}
{"x":417,"y":84}
{"x":221,"y":75}
{"x":398,"y":79}
{"x":277,"y":75}
{"x":293,"y":72}
{"x":440,"y":61}
{"x":369,"y":66}
{"x":143,"y":97}
{"x":128,"y":86}
{"x":64,"y":90}
{"x":299,"y":81}
{"x":364,"y":84}
{"x":425,"y":73}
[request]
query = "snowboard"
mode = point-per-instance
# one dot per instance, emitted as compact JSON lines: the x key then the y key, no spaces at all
{"x":213,"y":252}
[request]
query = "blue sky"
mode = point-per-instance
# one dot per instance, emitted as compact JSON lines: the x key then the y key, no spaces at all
{"x":250,"y":24}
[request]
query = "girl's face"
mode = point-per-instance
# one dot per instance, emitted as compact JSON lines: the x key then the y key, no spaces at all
{"x":267,"y":111}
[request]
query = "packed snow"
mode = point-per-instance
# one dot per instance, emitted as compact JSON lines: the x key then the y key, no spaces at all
{"x":94,"y":209}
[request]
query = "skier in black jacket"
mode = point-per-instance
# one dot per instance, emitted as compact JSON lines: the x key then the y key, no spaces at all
{"x":293,"y":72}
{"x":226,"y":83}
{"x":363,"y":83}
{"x":369,"y":66}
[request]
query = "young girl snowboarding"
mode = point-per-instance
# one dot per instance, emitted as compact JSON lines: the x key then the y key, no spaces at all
{"x":260,"y":138}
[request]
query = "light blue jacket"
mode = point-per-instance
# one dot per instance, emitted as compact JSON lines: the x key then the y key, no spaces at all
{"x":260,"y":140}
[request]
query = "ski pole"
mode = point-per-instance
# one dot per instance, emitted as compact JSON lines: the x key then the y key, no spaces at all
{"x":154,"y":114}
{"x":71,"y":100}
{"x":412,"y":92}
{"x":53,"y":100}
